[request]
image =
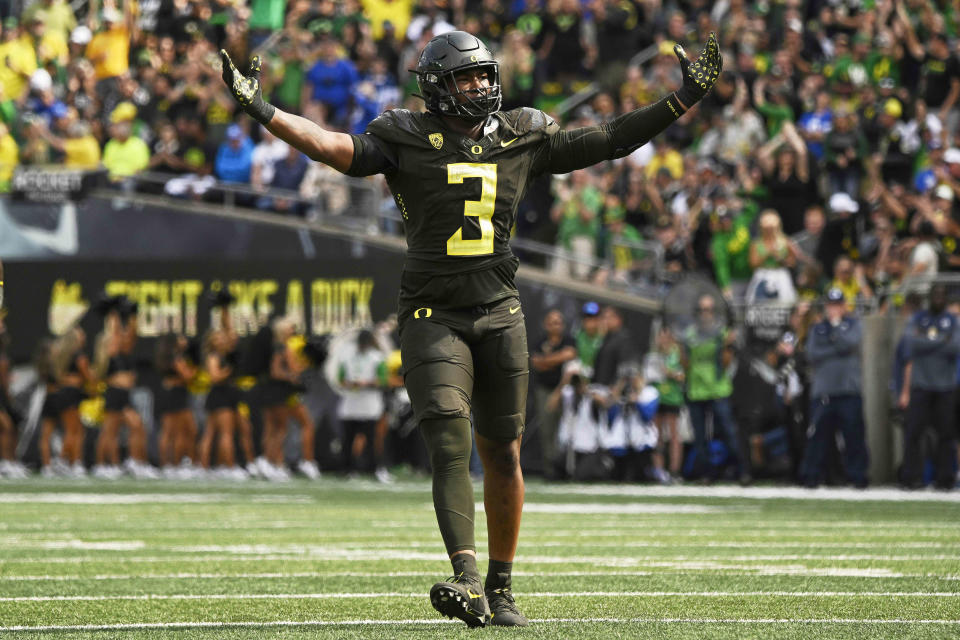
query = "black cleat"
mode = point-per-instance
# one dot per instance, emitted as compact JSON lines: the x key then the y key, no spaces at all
{"x":503,"y":610}
{"x":461,"y":597}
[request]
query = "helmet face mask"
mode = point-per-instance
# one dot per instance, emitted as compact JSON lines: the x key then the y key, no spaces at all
{"x":439,"y":63}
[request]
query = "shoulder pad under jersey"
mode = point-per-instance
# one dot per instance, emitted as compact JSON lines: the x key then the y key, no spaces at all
{"x":401,"y":126}
{"x":527,"y":120}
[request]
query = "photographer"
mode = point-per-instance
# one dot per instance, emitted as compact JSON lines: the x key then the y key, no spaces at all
{"x":932,"y":346}
{"x":833,"y":351}
{"x":582,"y":408}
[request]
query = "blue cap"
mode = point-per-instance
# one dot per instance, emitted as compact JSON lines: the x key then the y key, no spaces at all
{"x":234,"y":132}
{"x":834,"y":294}
{"x":590,"y":309}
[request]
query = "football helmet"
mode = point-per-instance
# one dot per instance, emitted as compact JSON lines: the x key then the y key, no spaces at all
{"x":440,"y":60}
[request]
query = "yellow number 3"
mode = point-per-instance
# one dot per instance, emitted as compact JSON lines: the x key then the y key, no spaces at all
{"x":482,"y":208}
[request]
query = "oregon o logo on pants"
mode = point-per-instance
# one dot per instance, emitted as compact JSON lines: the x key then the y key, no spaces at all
{"x":423,"y":312}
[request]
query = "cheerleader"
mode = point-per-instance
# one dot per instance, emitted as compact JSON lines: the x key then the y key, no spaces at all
{"x":116,"y":366}
{"x":178,"y":431}
{"x":72,"y":373}
{"x":297,"y":363}
{"x":9,"y":466}
{"x":223,"y":399}
{"x":274,"y":397}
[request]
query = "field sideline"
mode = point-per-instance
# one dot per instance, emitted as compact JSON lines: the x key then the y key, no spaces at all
{"x":338,"y":559}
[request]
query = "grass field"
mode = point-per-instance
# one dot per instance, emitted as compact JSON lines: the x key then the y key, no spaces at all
{"x":338,"y":559}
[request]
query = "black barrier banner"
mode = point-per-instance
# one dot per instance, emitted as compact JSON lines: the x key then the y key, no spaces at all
{"x":323,"y":296}
{"x":46,"y":298}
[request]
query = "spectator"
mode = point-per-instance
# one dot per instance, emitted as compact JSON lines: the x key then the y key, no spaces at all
{"x":288,"y":174}
{"x":617,"y":353}
{"x":109,"y":50}
{"x":808,"y":240}
{"x":124,"y":154}
{"x":841,"y":234}
{"x":589,"y":336}
{"x":845,"y":149}
{"x":620,"y":243}
{"x":787,"y":177}
{"x":576,"y":211}
{"x":56,"y":15}
{"x":924,"y":259}
{"x":234,"y":157}
{"x":361,"y":371}
{"x":833,"y":351}
{"x":939,"y":70}
{"x":20,"y":60}
{"x":669,"y":379}
{"x":9,"y":158}
{"x":707,"y":359}
{"x":816,"y":125}
{"x":730,"y":248}
{"x":548,"y":359}
{"x":326,"y":187}
{"x":772,"y":256}
{"x":268,"y":152}
{"x":850,"y":279}
{"x":80,"y":148}
{"x":330,"y":81}
{"x":932,"y":355}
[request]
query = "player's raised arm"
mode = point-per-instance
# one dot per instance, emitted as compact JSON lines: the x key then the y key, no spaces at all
{"x":329,"y":147}
{"x":579,"y":148}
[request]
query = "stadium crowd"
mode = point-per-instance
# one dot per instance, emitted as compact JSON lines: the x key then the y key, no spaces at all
{"x":825,"y":154}
{"x":825,"y":162}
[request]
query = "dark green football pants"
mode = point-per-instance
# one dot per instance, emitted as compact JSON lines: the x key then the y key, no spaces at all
{"x":455,"y":362}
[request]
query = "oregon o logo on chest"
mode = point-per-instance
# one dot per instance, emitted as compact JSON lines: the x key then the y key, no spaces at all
{"x":476,"y":149}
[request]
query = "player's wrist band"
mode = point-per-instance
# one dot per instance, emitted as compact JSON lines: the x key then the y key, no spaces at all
{"x":261,"y":111}
{"x":675,"y":105}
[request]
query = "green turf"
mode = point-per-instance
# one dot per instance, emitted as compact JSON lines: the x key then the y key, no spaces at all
{"x":335,"y":559}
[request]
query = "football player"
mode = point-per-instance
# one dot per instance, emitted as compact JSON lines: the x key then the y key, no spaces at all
{"x":457,"y":173}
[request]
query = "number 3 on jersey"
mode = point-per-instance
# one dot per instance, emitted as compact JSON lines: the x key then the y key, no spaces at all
{"x":482,"y":208}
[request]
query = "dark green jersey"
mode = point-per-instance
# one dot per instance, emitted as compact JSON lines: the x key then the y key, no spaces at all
{"x":458,"y":198}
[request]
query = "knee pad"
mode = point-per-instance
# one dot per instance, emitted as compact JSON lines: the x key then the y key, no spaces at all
{"x":448,"y":441}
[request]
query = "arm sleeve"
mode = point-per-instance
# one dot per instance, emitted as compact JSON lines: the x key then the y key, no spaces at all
{"x":371,"y":156}
{"x":579,"y":148}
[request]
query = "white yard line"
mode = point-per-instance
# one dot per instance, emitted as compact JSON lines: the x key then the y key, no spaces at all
{"x":66,"y":497}
{"x":26,"y":542}
{"x":431,"y":622}
{"x":751,"y":493}
{"x":384,"y":554}
{"x":535,"y":594}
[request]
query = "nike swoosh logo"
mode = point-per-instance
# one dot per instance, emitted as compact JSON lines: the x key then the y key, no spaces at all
{"x":507,"y":143}
{"x":513,"y":310}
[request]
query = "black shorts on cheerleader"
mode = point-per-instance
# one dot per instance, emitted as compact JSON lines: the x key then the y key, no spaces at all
{"x":116,"y":399}
{"x":173,"y":399}
{"x":221,"y":396}
{"x":274,"y":393}
{"x":69,"y":398}
{"x":51,"y":406}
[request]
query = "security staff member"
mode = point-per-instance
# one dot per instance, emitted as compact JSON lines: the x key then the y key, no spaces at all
{"x":833,"y":351}
{"x":932,"y":351}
